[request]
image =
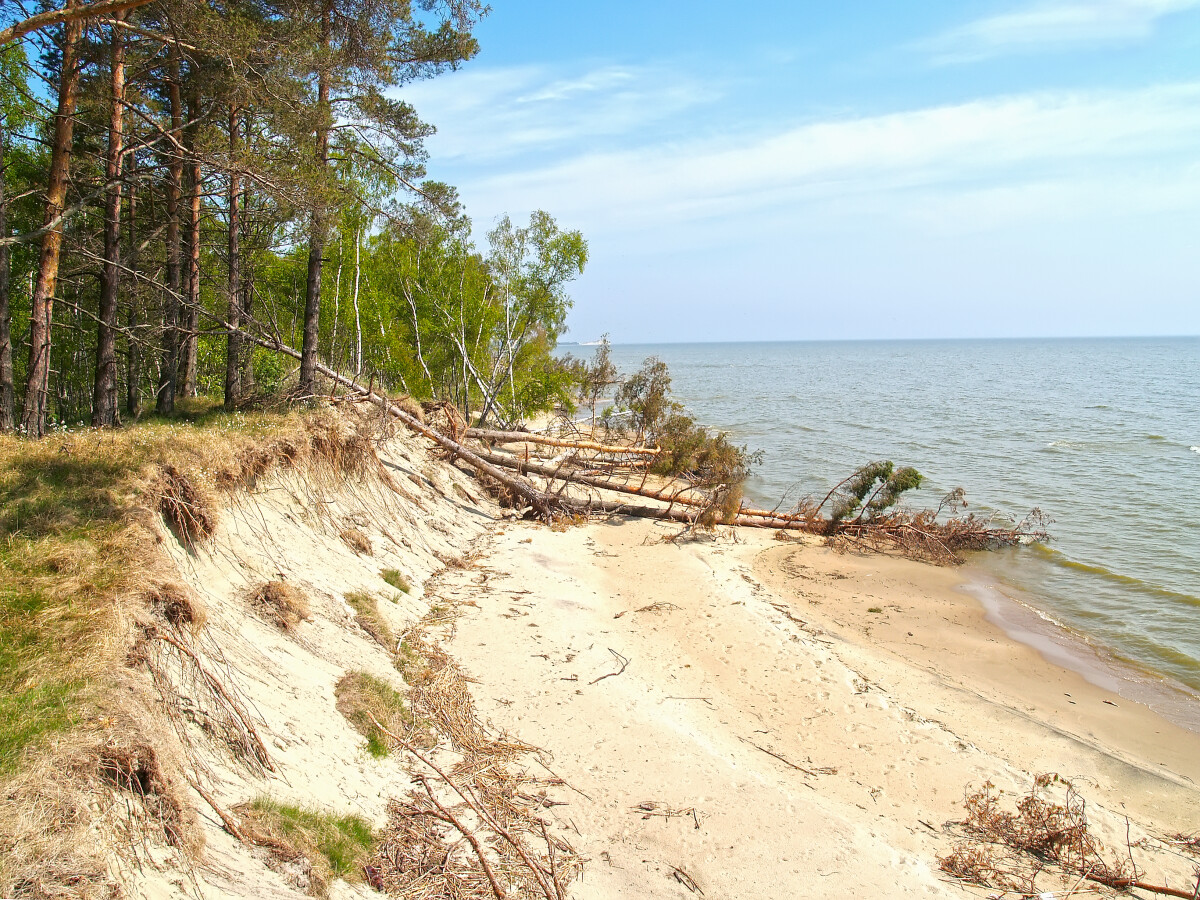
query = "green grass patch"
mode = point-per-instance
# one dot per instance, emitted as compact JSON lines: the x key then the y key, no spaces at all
{"x":335,"y":846}
{"x":396,"y":580}
{"x":66,"y":552}
{"x":366,"y":613}
{"x":365,"y":700}
{"x":874,"y":609}
{"x":411,"y":663}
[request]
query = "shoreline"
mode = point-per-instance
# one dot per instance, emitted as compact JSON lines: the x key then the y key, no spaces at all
{"x":967,"y":648}
{"x":706,"y":700}
{"x":1059,"y":644}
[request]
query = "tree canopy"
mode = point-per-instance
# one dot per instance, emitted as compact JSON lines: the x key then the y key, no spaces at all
{"x":187,"y":182}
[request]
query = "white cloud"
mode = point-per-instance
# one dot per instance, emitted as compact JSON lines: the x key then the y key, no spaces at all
{"x":489,"y":115}
{"x":1052,"y":25}
{"x":1129,"y":145}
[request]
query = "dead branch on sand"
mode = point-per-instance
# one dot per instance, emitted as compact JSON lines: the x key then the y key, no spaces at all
{"x":1041,"y":840}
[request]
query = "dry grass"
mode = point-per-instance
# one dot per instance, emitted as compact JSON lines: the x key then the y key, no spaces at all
{"x":357,"y":541}
{"x":137,"y":769}
{"x":366,"y":614}
{"x":310,"y":847}
{"x":178,"y":606}
{"x":374,"y":708}
{"x":186,"y":507}
{"x":281,"y":603}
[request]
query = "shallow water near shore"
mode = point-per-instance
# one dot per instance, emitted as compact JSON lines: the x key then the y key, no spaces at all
{"x":1102,"y":434}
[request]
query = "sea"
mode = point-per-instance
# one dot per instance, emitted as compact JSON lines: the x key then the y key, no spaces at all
{"x":1102,"y":435}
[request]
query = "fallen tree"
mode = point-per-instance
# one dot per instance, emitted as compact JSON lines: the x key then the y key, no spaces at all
{"x":869,"y":494}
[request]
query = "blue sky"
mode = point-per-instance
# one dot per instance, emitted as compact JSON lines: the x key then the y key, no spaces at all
{"x":861,"y":170}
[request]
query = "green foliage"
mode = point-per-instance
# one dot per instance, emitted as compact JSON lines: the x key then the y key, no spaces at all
{"x":871,"y":490}
{"x":396,"y":580}
{"x":687,"y":448}
{"x":646,"y":395}
{"x":596,"y":377}
{"x":367,"y":703}
{"x":335,"y":846}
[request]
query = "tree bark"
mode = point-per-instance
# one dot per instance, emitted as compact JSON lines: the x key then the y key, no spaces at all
{"x":104,"y":389}
{"x":318,"y":225}
{"x":133,"y":361}
{"x":233,"y":370}
{"x":168,"y":371}
{"x":37,"y":387}
{"x":7,"y":393}
{"x":191,"y":314}
{"x":358,"y":363}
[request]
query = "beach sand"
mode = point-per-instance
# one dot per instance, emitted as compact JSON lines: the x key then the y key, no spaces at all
{"x":821,"y":746}
{"x":731,"y":716}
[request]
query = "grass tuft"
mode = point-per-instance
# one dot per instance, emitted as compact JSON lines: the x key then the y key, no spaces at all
{"x":281,"y":603}
{"x":364,"y":700}
{"x":366,"y":613}
{"x":396,"y":580}
{"x":357,"y":541}
{"x":329,"y":846}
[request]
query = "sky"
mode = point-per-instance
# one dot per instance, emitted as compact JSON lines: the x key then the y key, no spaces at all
{"x":860,"y":170}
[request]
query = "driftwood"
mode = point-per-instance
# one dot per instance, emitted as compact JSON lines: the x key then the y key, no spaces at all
{"x":1041,"y":836}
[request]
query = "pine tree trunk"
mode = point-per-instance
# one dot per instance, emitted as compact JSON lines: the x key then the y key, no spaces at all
{"x":133,"y":361}
{"x":191,"y":315}
{"x":7,"y":408}
{"x":233,"y":369}
{"x":168,"y":370}
{"x":37,"y":386}
{"x":104,"y":389}
{"x":318,"y":225}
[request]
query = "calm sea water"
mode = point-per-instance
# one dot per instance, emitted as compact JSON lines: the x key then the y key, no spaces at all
{"x":1103,"y":435}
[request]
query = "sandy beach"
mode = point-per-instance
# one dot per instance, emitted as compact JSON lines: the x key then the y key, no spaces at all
{"x":821,"y":745}
{"x":727,"y":715}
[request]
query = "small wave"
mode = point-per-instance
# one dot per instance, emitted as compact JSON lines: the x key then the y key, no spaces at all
{"x":1194,"y":449}
{"x":1058,"y":558}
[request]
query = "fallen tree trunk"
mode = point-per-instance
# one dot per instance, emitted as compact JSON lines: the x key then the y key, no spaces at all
{"x":753,"y":518}
{"x":512,"y":462}
{"x":522,"y":437}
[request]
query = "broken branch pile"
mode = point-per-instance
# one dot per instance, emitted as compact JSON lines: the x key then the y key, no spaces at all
{"x":1040,"y":842}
